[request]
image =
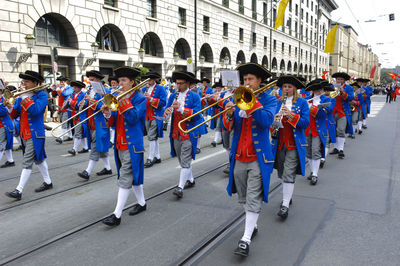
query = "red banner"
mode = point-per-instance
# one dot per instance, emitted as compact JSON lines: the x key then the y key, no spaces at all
{"x":397,"y":90}
{"x":373,"y":69}
{"x":324,"y":74}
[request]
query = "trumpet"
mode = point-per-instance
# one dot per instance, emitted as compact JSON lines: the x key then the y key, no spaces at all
{"x":10,"y":97}
{"x":109,"y":100}
{"x":243,"y":96}
{"x":276,"y":125}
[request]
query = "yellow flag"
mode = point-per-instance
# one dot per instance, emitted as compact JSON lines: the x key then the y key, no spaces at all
{"x":330,"y":41}
{"x":281,"y":13}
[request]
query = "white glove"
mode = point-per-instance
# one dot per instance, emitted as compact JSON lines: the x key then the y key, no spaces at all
{"x":243,"y":114}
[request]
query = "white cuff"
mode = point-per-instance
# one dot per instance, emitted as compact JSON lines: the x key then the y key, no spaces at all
{"x":181,"y":109}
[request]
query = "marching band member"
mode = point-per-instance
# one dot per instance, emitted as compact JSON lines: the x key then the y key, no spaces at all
{"x":290,"y":141}
{"x":64,"y":91}
{"x":216,"y":122}
{"x":360,"y":106}
{"x":369,"y":91}
{"x":251,"y":157}
{"x":342,"y":112}
{"x":206,"y":94}
{"x":99,"y":131}
{"x":156,"y":100}
{"x":316,"y":133}
{"x":226,"y":135}
{"x":330,"y":121}
{"x":81,"y":133}
{"x":182,"y":104}
{"x":6,"y":133}
{"x":129,"y":121}
{"x":114,"y":87}
{"x":16,"y":124}
{"x":30,"y":107}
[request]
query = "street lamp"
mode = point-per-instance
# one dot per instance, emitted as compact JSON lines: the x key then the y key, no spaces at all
{"x":202,"y":59}
{"x":226,"y":61}
{"x":30,"y":42}
{"x":141,"y":53}
{"x":95,"y":50}
{"x":175,"y":59}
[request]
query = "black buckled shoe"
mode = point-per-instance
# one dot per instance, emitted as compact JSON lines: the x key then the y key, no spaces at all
{"x":314,"y":180}
{"x":8,"y":164}
{"x":335,"y":151}
{"x":83,"y":151}
{"x":321,"y":164}
{"x":72,"y":152}
{"x":242,"y":249}
{"x":198,"y":151}
{"x":283,"y":212}
{"x":290,"y":203}
{"x":112,"y":220}
{"x":44,"y":187}
{"x":341,"y":155}
{"x":59,"y":140}
{"x":190,"y":184}
{"x":352,"y":136}
{"x":137,"y":208}
{"x":178,"y":192}
{"x":14,"y":194}
{"x":156,"y":160}
{"x":309,"y":177}
{"x":214,"y":144}
{"x":84,"y":175}
{"x":149,"y":163}
{"x":359,"y":132}
{"x":104,"y":172}
{"x":69,"y":139}
{"x":364,"y":127}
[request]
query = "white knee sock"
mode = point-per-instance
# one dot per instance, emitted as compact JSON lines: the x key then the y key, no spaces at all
{"x":19,"y":140}
{"x":9,"y":155}
{"x":138,"y":191}
{"x":106,"y":162}
{"x":364,"y":122}
{"x":198,"y":143}
{"x":70,"y":132}
{"x":85,"y":144}
{"x":190,"y":175}
{"x":315,"y":166}
{"x":25,"y":174}
{"x":152,"y":146}
{"x":44,"y":170}
{"x":63,"y":130}
{"x":112,"y":135}
{"x":123,"y":194}
{"x":1,"y":154}
{"x":157,"y":150}
{"x":310,"y":163}
{"x":77,"y":142}
{"x":250,"y":224}
{"x":340,"y":143}
{"x":326,"y":152}
{"x":90,"y":166}
{"x":287,"y":193}
{"x":228,"y":152}
{"x":183,"y":177}
{"x":359,"y":125}
{"x":217,"y":136}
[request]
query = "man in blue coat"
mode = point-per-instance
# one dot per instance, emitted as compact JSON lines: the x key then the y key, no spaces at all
{"x":251,"y":157}
{"x":6,"y":133}
{"x":129,"y":122}
{"x":156,"y":101}
{"x":64,"y":91}
{"x":30,"y":107}
{"x":330,"y":121}
{"x":369,"y":91}
{"x":182,"y":104}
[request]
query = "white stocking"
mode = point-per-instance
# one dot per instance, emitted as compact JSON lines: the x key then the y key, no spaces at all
{"x":123,"y":194}
{"x":106,"y":162}
{"x":157,"y":150}
{"x":25,"y":174}
{"x":85,"y":144}
{"x":250,"y":224}
{"x":315,"y":166}
{"x":44,"y":170}
{"x":183,"y":177}
{"x":152,"y":146}
{"x":287,"y":193}
{"x":90,"y":166}
{"x":77,"y":142}
{"x":138,"y":191}
{"x":9,"y":156}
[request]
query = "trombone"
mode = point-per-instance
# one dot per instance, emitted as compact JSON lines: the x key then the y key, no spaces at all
{"x":109,"y":100}
{"x":244,"y":99}
{"x":10,"y":97}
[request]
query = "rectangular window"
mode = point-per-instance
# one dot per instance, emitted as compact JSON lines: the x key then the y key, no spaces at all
{"x":290,"y":50}
{"x":265,"y":42}
{"x":301,"y":53}
{"x":307,"y":17}
{"x":241,"y":34}
{"x":308,"y":3}
{"x":254,"y":9}
{"x":151,"y":8}
{"x":311,"y":20}
{"x":296,"y":28}
{"x":241,"y":7}
{"x":225,"y":3}
{"x":182,"y":16}
{"x":295,"y":51}
{"x":283,"y":48}
{"x":206,"y":23}
{"x":112,"y":3}
{"x":306,"y":55}
{"x":225,"y":29}
{"x":265,"y":13}
{"x":254,"y":39}
{"x":274,"y":45}
{"x":274,"y":17}
{"x":289,"y":25}
{"x":312,"y":6}
{"x":301,"y":13}
{"x":290,"y":6}
{"x":296,"y":11}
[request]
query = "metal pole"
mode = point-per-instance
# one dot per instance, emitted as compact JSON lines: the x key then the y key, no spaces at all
{"x":317,"y":54}
{"x":270,"y":41}
{"x":195,"y":38}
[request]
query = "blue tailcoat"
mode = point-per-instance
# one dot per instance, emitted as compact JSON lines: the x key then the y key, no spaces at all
{"x":370,"y":92}
{"x":299,"y":107}
{"x":363,"y":105}
{"x":102,"y":129}
{"x":35,"y":120}
{"x":347,"y":109}
{"x":134,"y":122}
{"x":203,"y":129}
{"x":262,"y":120}
{"x":82,"y":116}
{"x":7,"y":124}
{"x":65,"y":94}
{"x":331,"y":121}
{"x":192,"y":101}
{"x":159,"y":93}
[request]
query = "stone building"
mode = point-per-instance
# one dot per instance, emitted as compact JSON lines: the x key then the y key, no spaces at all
{"x":160,"y":35}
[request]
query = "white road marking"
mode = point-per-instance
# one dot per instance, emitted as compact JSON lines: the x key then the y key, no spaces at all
{"x":205,"y":157}
{"x":376,"y":107}
{"x":65,"y":155}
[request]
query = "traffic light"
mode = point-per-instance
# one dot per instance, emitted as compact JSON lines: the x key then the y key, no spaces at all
{"x":391,"y":17}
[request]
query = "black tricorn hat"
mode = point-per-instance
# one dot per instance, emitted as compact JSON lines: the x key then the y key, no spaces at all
{"x":195,"y":81}
{"x":366,"y":80}
{"x":77,"y":83}
{"x":112,"y":78}
{"x":185,"y":75}
{"x":11,"y":88}
{"x":255,"y":69}
{"x":314,"y":85}
{"x":205,"y":79}
{"x":326,"y":85}
{"x":31,"y":75}
{"x":62,"y":78}
{"x":355,"y":84}
{"x":217,"y":84}
{"x":341,"y":75}
{"x":126,"y":71}
{"x":152,"y":75}
{"x":301,"y":78}
{"x":290,"y":80}
{"x":94,"y":73}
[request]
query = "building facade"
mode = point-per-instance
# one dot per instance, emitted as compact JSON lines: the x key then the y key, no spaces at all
{"x":352,"y":57}
{"x":161,"y":35}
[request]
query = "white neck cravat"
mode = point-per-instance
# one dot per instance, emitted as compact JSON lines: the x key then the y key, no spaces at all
{"x":150,"y":90}
{"x":289,"y":102}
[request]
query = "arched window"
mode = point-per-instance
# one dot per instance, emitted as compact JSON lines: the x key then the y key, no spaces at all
{"x":206,"y":51}
{"x":282,"y":65}
{"x":264,"y":62}
{"x":274,"y":64}
{"x":295,"y":67}
{"x":225,"y":53}
{"x":182,"y":48}
{"x":289,"y":67}
{"x":253,"y":58}
{"x":152,"y":45}
{"x":110,"y":38}
{"x":240,"y":58}
{"x":55,"y":30}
